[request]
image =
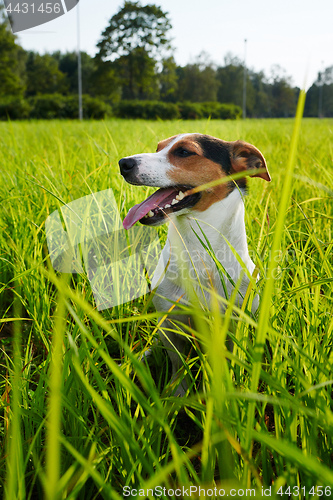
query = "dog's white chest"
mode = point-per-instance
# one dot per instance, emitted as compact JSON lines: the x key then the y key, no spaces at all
{"x":200,"y":254}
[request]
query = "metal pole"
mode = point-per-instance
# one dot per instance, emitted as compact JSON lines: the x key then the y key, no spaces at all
{"x":244,"y":82}
{"x":320,"y":90}
{"x":79,"y":69}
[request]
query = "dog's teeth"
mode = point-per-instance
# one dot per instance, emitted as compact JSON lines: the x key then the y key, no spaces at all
{"x":150,"y":213}
{"x":174,"y":202}
{"x":167,"y":205}
{"x":180,"y":196}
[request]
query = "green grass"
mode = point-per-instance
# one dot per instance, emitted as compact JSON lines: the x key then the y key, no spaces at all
{"x":77,"y":424}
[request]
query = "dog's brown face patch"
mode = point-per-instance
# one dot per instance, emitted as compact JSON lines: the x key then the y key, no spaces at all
{"x":163,"y":144}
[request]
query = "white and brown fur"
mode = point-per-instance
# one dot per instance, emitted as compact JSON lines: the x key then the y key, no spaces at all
{"x":192,"y":160}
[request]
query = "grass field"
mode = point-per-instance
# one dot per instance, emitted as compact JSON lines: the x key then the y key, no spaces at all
{"x":75,"y":423}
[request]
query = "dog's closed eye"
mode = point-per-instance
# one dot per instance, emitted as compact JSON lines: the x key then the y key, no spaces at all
{"x":183,"y":153}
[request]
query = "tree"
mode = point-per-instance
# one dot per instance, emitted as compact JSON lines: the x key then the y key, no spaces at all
{"x":44,"y":76}
{"x":319,"y":99}
{"x":197,"y":81}
{"x":137,"y":74}
{"x":231,"y":78}
{"x":261,"y":106}
{"x":106,"y":82}
{"x":283,"y":98}
{"x":99,"y":79}
{"x":136,"y":41}
{"x":168,"y":80}
{"x":67,"y":64}
{"x":12,"y":61}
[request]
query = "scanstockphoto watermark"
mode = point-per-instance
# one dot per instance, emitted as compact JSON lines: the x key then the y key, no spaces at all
{"x":25,"y":15}
{"x":187,"y":264}
{"x":192,"y":492}
{"x":86,"y":236}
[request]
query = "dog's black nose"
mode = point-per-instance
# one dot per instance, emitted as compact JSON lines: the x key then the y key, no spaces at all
{"x":126,"y":165}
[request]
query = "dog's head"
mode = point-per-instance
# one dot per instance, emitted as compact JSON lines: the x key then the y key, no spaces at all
{"x":184,"y":162}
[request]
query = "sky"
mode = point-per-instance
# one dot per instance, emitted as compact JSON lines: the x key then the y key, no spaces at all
{"x":294,"y":34}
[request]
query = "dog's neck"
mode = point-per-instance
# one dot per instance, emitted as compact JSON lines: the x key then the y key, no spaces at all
{"x":222,"y":222}
{"x":223,"y":226}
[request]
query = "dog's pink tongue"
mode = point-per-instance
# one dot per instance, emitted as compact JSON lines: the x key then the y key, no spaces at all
{"x":141,"y":209}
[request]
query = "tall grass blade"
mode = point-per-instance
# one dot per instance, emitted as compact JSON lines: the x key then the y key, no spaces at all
{"x":269,"y":285}
{"x":15,"y":483}
{"x":53,"y":448}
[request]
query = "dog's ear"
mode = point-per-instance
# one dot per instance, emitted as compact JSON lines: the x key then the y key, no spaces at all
{"x":244,"y":156}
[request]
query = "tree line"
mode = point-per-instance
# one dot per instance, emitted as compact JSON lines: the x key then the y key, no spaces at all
{"x":135,"y":62}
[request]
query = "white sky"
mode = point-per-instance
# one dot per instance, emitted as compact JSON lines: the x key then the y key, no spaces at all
{"x":295,"y":34}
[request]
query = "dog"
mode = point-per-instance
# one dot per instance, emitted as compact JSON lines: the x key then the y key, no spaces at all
{"x":179,"y":167}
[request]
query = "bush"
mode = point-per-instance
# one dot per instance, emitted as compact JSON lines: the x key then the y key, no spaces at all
{"x":219,"y":111}
{"x":92,"y":107}
{"x":190,"y":110}
{"x":229,"y":111}
{"x":14,"y":108}
{"x":147,"y":110}
{"x":215,"y":110}
{"x":48,"y":106}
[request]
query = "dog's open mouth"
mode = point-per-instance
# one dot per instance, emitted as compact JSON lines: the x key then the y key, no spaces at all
{"x":156,"y":207}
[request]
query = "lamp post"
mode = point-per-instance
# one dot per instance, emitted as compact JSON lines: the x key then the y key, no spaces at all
{"x":320,"y":90}
{"x":244,"y":82}
{"x":79,"y":69}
